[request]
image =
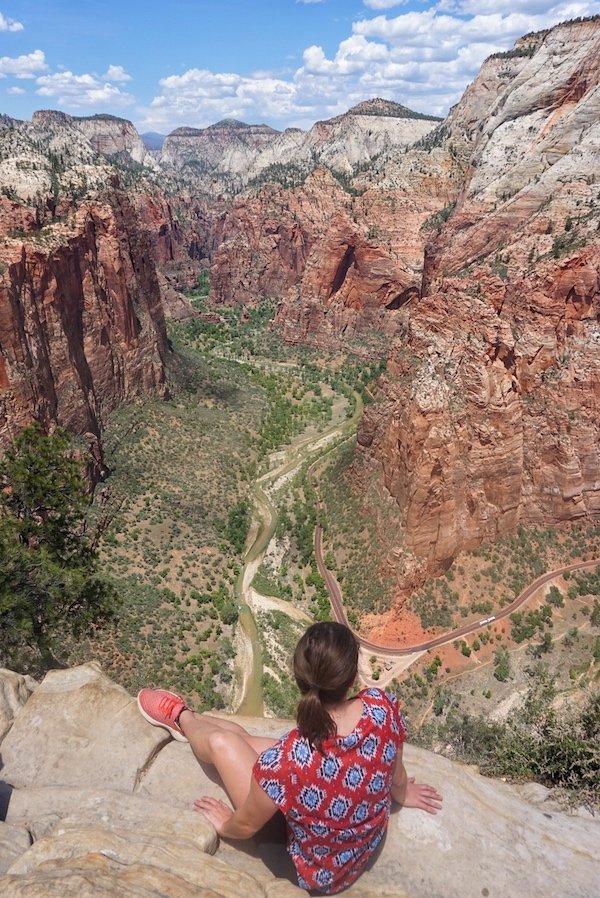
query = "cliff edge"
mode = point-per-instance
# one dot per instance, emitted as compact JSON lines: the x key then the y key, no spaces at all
{"x":98,"y":803}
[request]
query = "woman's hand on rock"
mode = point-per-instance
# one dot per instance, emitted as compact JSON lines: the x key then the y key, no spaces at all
{"x":420,"y":795}
{"x":216,"y":810}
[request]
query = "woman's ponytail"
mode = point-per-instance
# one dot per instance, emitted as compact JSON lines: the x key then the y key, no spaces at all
{"x":325,"y":667}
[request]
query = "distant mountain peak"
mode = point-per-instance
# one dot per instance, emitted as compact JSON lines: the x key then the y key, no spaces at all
{"x":233,"y":124}
{"x":229,"y":123}
{"x":389,"y":109}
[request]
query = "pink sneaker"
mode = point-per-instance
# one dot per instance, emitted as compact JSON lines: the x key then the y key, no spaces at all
{"x":162,"y":709}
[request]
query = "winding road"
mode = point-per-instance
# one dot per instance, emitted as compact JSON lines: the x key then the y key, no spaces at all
{"x":264,"y":524}
{"x":396,"y":651}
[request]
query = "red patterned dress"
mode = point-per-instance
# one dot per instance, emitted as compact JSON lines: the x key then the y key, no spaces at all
{"x":336,"y":804}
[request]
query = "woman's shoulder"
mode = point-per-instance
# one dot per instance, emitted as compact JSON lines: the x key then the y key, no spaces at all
{"x":375,"y":694}
{"x":383,"y":706}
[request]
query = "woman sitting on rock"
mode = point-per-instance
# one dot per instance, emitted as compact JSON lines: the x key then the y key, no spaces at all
{"x":333,"y":776}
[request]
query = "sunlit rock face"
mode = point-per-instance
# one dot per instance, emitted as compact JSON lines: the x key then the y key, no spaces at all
{"x":489,"y":414}
{"x":227,"y":156}
{"x":81,"y":314}
{"x":81,"y":319}
{"x":102,"y":805}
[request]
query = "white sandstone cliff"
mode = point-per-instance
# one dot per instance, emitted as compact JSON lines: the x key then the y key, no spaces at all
{"x":100,"y":805}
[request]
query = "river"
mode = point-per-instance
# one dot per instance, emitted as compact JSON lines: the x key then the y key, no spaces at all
{"x":263,"y":524}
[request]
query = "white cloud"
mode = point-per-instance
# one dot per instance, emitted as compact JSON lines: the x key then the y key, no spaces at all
{"x":26,"y":66}
{"x":200,"y":97}
{"x":86,"y":91}
{"x":15,"y":91}
{"x":423,"y":59}
{"x":384,"y":4}
{"x":9,"y":24}
{"x":116,"y":73}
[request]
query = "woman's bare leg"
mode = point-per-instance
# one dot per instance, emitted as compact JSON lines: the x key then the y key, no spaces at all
{"x":260,"y":743}
{"x":231,"y":749}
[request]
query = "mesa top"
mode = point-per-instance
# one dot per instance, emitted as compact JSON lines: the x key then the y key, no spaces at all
{"x":336,"y":804}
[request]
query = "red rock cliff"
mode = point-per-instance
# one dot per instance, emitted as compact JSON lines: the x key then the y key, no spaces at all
{"x":490,"y":407}
{"x":81,"y":320}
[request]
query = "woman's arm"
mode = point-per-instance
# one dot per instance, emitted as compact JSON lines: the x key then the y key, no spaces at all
{"x":243,"y":823}
{"x":413,"y":795}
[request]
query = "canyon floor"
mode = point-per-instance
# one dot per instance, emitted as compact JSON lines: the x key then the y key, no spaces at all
{"x":179,"y":510}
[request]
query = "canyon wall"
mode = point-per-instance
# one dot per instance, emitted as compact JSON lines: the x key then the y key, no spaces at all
{"x":489,"y":408}
{"x":81,"y":315}
{"x":81,"y":319}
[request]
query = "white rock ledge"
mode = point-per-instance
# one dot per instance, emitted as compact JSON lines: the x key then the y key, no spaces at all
{"x":101,"y":805}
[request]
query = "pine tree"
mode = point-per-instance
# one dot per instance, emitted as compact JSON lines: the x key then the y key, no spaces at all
{"x":49,"y":587}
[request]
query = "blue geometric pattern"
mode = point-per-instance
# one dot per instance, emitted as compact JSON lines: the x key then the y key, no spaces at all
{"x":390,"y":750}
{"x":354,"y":777}
{"x":361,"y":812}
{"x":301,"y":753}
{"x":275,"y":790}
{"x":350,"y":741}
{"x":271,"y":758}
{"x":311,"y":798}
{"x":330,"y":767}
{"x":336,"y":802}
{"x":378,"y":714}
{"x":343,"y":858}
{"x":376,"y":784}
{"x":298,"y":831}
{"x":338,"y":808}
{"x":369,"y":747}
{"x":324,"y":878}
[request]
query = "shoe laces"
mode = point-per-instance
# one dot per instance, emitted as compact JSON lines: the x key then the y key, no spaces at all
{"x":168,"y":705}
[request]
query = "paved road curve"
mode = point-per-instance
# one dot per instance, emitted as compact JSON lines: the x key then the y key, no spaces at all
{"x":340,"y":615}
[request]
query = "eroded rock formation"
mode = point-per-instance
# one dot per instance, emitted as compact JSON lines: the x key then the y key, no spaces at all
{"x":489,"y":415}
{"x":81,"y":318}
{"x":101,"y":805}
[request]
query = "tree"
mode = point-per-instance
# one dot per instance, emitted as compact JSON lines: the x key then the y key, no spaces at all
{"x":502,"y":664}
{"x":49,"y":588}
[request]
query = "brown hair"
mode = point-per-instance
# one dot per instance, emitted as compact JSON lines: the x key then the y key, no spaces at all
{"x":325,"y":667}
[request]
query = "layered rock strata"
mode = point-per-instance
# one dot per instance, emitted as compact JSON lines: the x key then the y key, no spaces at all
{"x":100,"y":805}
{"x":489,"y":413}
{"x":81,"y":319}
{"x":226,"y":156}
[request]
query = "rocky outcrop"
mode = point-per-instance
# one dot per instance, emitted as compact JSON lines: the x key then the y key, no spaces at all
{"x":224,"y":151}
{"x":113,"y":136}
{"x":100,"y":805}
{"x":342,"y":262}
{"x":57,"y":157}
{"x":225,"y":157}
{"x":489,"y":414}
{"x":81,"y":320}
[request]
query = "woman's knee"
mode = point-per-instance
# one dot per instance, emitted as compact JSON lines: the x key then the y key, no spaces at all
{"x":224,"y":744}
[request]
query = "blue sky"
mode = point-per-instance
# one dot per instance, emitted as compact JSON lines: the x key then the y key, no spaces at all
{"x":285,"y":62}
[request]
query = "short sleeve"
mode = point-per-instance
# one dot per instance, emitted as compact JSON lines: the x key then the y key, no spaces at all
{"x":398,"y":720}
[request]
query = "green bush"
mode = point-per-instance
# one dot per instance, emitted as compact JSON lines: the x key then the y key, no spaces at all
{"x":536,"y":742}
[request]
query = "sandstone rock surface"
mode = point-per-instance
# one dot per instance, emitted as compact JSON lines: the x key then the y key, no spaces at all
{"x":15,"y":689}
{"x":117,"y":820}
